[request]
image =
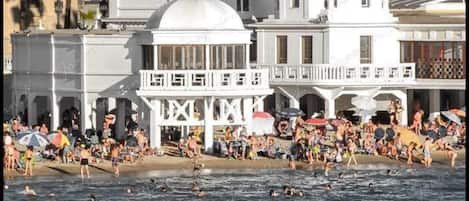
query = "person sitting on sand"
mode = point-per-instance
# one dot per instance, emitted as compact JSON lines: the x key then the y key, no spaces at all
{"x":29,"y":191}
{"x":182,"y":147}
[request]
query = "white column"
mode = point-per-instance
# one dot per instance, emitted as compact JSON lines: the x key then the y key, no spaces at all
{"x":85,"y":117}
{"x":111,"y":103}
{"x":55,"y":112}
{"x":208,"y":136}
{"x":247,"y":102}
{"x":293,"y":101}
{"x":278,"y":100}
{"x":155,"y":128}
{"x":93,"y":114}
{"x":32,"y":116}
{"x":247,"y":56}
{"x":329,"y":96}
{"x":329,"y":105}
{"x":434,"y":97}
{"x":259,"y":104}
{"x":207,"y":57}
{"x":155,"y":57}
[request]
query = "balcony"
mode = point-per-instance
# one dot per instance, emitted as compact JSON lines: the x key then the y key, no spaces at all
{"x":441,"y":69}
{"x":328,"y":74}
{"x":203,"y":82}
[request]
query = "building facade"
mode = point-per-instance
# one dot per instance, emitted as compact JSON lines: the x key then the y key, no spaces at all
{"x":165,"y":64}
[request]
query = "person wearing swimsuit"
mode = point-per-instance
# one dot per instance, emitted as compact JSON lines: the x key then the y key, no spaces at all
{"x":115,"y":160}
{"x":28,"y":166}
{"x":84,"y":157}
{"x":427,"y":152}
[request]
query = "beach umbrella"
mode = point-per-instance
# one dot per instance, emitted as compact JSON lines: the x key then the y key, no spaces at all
{"x":291,"y":112}
{"x":458,"y":112}
{"x":364,"y":102}
{"x":452,"y":117}
{"x":261,"y":115}
{"x":58,"y":139}
{"x":34,"y":139}
{"x":23,"y":133}
{"x":316,"y":122}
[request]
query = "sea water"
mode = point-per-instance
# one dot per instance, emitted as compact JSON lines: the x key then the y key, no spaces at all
{"x":437,"y":183}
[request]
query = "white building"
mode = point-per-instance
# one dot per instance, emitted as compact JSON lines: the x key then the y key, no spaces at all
{"x":176,"y":66}
{"x":172,"y":62}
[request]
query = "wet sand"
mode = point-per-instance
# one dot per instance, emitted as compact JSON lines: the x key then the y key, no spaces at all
{"x":150,"y":163}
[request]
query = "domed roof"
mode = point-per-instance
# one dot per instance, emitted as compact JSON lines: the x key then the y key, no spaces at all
{"x":195,"y":15}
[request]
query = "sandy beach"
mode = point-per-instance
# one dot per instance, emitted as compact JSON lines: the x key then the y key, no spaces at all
{"x":150,"y":163}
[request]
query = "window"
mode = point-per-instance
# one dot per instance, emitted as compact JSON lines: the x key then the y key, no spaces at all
{"x":307,"y":53}
{"x":326,"y":4}
{"x":295,"y":3}
{"x":147,"y":57}
{"x":173,"y":57}
{"x":335,"y":3}
{"x":365,"y":49}
{"x":282,"y":49}
{"x":227,"y":57}
{"x":365,"y":3}
{"x":242,"y":5}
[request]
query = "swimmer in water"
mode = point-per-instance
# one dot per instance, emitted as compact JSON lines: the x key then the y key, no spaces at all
{"x":92,"y":197}
{"x":300,"y":193}
{"x":273,"y":193}
{"x":195,"y":187}
{"x":29,"y":191}
{"x":286,"y":189}
{"x":341,"y":175}
{"x":200,"y":193}
{"x":388,"y":172}
{"x":371,"y":188}
{"x":164,"y":188}
{"x":328,"y":187}
{"x":152,"y":181}
{"x":355,"y":174}
{"x":451,"y":154}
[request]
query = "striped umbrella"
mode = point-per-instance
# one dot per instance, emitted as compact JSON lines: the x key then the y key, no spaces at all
{"x":34,"y":139}
{"x":58,"y":139}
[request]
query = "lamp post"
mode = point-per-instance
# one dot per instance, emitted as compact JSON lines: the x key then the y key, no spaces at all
{"x":58,"y":10}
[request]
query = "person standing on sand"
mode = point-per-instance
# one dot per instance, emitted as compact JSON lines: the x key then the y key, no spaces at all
{"x":28,"y":158}
{"x":427,"y":152}
{"x":410,"y":150}
{"x":351,"y":148}
{"x":115,"y":159}
{"x":451,"y":154}
{"x":84,"y":160}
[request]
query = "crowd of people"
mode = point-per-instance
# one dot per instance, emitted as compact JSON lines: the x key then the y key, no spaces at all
{"x":335,"y":144}
{"x":84,"y":149}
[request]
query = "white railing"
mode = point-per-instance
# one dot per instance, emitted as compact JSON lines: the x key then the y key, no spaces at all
{"x":7,"y":64}
{"x":330,"y":74}
{"x":204,"y":80}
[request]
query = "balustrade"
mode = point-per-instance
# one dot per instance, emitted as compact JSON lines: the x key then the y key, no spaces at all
{"x":203,"y":80}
